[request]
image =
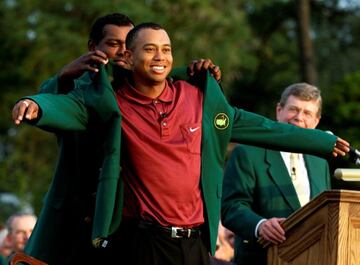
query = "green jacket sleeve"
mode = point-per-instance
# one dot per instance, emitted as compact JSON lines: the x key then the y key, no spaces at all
{"x":253,"y":129}
{"x":71,"y":111}
{"x":61,"y":112}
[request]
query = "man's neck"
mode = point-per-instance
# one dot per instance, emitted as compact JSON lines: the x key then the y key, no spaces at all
{"x":151,"y":90}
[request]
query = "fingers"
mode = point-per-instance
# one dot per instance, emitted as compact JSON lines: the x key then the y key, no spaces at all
{"x":272,"y":231}
{"x":100,"y":56}
{"x":86,"y":62}
{"x":96,"y":57}
{"x":203,"y":64}
{"x":215,"y":72}
{"x":32,"y":111}
{"x":342,"y":143}
{"x":191,"y":67}
{"x":27,"y":109}
{"x":18,"y":111}
{"x":341,"y":147}
{"x":197,"y":66}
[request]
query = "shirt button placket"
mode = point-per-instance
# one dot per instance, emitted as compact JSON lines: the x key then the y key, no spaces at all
{"x":164,"y":128}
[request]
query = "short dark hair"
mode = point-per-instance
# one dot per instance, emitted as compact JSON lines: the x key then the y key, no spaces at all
{"x":97,"y":29}
{"x":303,"y":91}
{"x":132,"y":35}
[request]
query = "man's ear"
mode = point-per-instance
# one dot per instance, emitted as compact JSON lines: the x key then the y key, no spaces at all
{"x":278,"y":109}
{"x":128,"y":57}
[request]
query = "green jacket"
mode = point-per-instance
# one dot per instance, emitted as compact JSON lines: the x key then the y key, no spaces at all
{"x":257,"y":185}
{"x":3,"y":260}
{"x":93,"y":105}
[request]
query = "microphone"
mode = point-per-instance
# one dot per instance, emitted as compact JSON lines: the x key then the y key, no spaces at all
{"x":354,"y":155}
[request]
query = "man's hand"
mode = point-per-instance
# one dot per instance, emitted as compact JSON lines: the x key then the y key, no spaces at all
{"x":224,"y":244}
{"x":271,"y":230}
{"x":26,"y":106}
{"x":205,"y":64}
{"x":224,"y":250}
{"x":341,"y":147}
{"x":86,"y":62}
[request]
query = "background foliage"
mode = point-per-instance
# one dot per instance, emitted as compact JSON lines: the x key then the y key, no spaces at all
{"x":254,"y":42}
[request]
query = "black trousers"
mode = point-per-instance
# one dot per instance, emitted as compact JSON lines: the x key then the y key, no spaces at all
{"x":134,"y":245}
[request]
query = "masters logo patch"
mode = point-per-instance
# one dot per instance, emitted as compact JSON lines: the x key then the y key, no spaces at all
{"x":221,"y":121}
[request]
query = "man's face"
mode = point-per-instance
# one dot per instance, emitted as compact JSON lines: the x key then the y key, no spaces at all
{"x":22,"y":227}
{"x":113,"y":43}
{"x":151,"y":56}
{"x":299,"y":112}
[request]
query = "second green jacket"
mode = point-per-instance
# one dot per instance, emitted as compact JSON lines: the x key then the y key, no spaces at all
{"x":257,"y":185}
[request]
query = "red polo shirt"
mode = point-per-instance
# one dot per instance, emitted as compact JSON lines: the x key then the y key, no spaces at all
{"x":160,"y":160}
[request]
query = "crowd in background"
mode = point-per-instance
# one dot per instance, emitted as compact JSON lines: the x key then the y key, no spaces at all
{"x":15,"y":234}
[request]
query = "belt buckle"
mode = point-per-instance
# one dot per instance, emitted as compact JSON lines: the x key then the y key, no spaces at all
{"x":174,"y":230}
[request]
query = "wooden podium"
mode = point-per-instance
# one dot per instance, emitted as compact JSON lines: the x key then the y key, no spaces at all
{"x":326,"y":231}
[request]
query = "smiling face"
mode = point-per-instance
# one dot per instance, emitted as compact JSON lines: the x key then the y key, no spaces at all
{"x":113,"y":43}
{"x":299,"y":112}
{"x":150,"y":57}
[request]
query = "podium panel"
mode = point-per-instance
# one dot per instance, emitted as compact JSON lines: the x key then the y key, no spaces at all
{"x":326,"y":231}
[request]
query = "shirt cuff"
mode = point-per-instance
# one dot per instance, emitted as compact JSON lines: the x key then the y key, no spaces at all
{"x":257,"y":227}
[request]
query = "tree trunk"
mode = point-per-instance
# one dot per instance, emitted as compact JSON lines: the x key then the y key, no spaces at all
{"x":307,"y":60}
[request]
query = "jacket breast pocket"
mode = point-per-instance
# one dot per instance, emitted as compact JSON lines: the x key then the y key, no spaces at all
{"x":192,"y":136}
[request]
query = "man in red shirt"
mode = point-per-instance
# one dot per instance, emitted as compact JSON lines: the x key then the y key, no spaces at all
{"x":160,"y":169}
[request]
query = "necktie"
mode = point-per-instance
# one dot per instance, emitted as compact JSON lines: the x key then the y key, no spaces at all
{"x":299,"y":183}
{"x":293,"y":166}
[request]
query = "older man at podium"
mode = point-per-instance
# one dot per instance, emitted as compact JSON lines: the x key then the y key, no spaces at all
{"x":262,"y":187}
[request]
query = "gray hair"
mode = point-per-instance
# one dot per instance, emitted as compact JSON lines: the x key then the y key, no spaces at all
{"x":10,"y":220}
{"x":303,"y":91}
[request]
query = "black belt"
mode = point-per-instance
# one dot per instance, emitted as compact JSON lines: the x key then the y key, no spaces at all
{"x":172,"y":231}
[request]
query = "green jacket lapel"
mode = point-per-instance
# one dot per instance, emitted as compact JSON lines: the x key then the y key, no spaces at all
{"x":277,"y":171}
{"x":108,"y":209}
{"x":214,"y":145}
{"x":316,"y":175}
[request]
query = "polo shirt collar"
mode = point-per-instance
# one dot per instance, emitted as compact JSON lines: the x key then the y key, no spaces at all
{"x":131,"y":93}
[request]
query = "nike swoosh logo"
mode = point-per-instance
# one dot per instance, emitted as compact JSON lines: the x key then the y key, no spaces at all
{"x":194,"y":129}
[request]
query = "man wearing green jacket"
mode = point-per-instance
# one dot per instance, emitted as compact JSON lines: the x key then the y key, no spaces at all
{"x":169,"y":139}
{"x":262,"y":187}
